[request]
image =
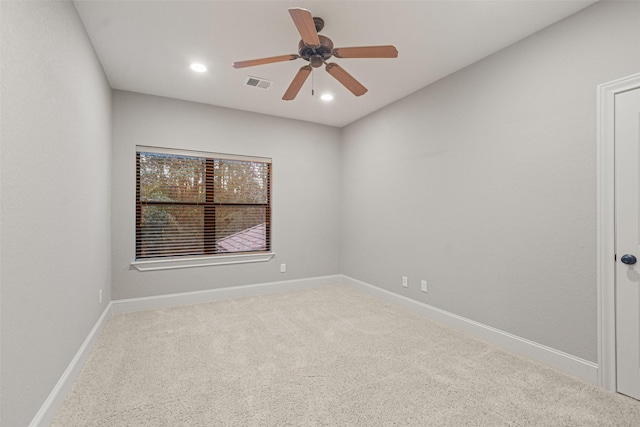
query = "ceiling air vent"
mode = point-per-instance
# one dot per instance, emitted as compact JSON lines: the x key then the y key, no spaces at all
{"x":258,"y":82}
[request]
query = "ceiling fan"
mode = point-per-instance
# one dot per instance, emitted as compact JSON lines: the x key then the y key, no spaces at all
{"x":317,"y":50}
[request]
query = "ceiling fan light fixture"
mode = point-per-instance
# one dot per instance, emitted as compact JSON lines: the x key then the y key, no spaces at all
{"x":327,"y":97}
{"x":198,"y":68}
{"x":316,"y":61}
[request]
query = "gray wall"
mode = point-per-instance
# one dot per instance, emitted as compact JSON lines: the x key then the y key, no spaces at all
{"x":55,"y":184}
{"x":306,"y":184}
{"x":484,"y":183}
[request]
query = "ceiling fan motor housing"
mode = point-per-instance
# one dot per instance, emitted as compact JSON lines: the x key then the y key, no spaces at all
{"x":316,"y":55}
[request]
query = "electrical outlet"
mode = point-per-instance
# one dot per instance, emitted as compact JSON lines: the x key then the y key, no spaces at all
{"x":100,"y":296}
{"x":423,"y":285}
{"x":283,"y":268}
{"x":405,"y":281}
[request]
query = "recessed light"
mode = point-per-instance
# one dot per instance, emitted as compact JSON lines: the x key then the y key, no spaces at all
{"x":198,"y":68}
{"x":326,"y":97}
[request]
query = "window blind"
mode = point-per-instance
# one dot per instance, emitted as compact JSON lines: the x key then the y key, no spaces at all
{"x":201,"y":204}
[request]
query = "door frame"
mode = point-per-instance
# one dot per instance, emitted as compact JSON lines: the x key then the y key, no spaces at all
{"x":606,"y":239}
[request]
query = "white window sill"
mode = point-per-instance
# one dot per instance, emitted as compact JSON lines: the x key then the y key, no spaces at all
{"x":204,"y":261}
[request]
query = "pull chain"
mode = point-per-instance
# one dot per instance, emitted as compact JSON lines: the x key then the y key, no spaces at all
{"x":312,"y":84}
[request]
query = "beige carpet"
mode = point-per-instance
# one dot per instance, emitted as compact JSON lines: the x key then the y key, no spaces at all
{"x":329,"y":356}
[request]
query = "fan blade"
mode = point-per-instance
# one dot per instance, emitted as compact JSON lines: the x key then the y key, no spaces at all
{"x":305,"y":25}
{"x":346,"y":79}
{"x":261,"y":61}
{"x":366,"y":52}
{"x":297,"y":83}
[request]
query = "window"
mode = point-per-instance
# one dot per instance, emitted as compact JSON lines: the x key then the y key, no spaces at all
{"x":193,"y":203}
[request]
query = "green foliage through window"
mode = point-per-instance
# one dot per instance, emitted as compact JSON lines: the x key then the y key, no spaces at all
{"x":190,"y":205}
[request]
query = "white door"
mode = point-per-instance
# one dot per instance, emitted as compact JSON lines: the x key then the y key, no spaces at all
{"x":627,"y":196}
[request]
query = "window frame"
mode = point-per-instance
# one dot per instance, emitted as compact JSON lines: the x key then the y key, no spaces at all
{"x":210,"y":258}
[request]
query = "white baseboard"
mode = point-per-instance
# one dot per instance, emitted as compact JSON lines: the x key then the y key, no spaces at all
{"x":556,"y":359}
{"x":196,"y":297}
{"x":54,"y":401}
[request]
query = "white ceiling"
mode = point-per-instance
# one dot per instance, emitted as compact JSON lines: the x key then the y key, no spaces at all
{"x":147,"y":46}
